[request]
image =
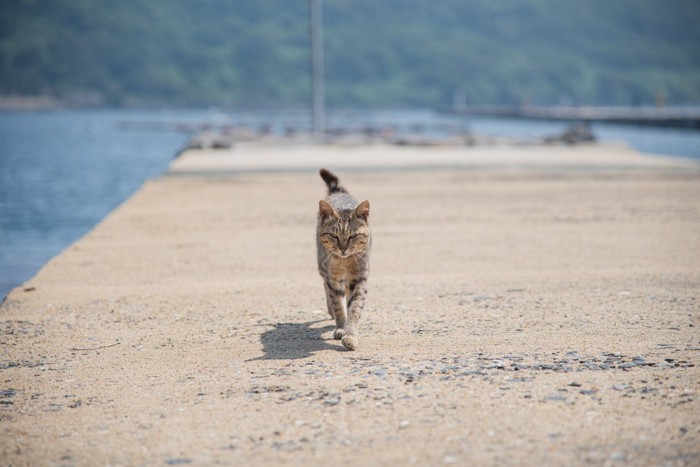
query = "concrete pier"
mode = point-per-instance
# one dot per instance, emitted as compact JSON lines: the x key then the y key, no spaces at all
{"x":527,"y":306}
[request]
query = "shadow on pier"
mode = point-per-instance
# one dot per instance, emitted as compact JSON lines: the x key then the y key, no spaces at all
{"x":290,"y":341}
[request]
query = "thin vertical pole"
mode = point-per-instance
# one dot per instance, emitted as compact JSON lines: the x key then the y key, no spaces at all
{"x":317,"y":75}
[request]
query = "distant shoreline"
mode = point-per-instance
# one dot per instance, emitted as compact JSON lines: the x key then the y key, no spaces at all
{"x":659,"y":116}
{"x":29,"y":103}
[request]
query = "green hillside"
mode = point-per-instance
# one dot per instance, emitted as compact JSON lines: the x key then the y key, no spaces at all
{"x":379,"y":53}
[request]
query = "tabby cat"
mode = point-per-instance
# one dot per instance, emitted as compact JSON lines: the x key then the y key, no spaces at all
{"x":343,"y":240}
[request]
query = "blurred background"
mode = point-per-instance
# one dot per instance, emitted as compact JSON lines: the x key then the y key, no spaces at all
{"x":389,"y":53}
{"x":96,"y":96}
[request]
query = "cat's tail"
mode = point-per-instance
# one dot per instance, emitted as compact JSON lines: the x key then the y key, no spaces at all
{"x":332,"y":182}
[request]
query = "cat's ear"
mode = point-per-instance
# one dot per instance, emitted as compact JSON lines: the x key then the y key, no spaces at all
{"x":325,"y":209}
{"x":362,"y":210}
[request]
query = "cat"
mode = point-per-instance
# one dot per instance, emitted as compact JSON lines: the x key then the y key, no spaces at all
{"x":343,"y":241}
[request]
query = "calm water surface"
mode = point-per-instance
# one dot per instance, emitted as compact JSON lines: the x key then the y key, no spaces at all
{"x":61,"y":172}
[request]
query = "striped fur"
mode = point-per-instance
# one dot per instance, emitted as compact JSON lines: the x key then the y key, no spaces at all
{"x":344,"y":241}
{"x":332,"y":182}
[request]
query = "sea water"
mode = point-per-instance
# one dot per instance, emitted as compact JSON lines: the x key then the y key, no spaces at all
{"x":61,"y":172}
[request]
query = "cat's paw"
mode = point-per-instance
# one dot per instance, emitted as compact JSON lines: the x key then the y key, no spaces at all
{"x":338,"y":334}
{"x":350,"y":342}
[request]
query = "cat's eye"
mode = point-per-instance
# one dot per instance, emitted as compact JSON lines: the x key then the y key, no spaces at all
{"x":353,"y":236}
{"x":333,"y":236}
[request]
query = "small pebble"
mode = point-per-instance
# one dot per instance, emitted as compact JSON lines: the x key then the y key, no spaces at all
{"x":449,"y":459}
{"x":178,"y":461}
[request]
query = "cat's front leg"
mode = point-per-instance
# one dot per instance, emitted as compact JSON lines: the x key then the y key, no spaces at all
{"x":356,"y":302}
{"x":335,"y":299}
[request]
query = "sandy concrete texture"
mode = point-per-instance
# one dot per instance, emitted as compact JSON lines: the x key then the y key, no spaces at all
{"x":517,"y":315}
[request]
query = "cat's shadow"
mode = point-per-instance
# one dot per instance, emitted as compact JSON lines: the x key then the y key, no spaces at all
{"x":290,"y":341}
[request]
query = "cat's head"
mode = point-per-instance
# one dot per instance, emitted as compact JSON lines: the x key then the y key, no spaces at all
{"x":344,"y":232}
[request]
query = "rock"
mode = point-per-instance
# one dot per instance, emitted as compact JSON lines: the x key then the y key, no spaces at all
{"x":379,"y":371}
{"x":555,"y":397}
{"x":178,"y":461}
{"x":575,"y":134}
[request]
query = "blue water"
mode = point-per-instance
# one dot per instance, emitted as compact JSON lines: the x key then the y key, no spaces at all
{"x":61,"y":172}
